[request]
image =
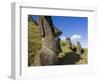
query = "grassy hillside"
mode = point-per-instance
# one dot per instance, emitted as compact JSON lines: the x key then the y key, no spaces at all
{"x":84,"y":57}
{"x":34,"y":41}
{"x":69,"y":56}
{"x":64,"y":46}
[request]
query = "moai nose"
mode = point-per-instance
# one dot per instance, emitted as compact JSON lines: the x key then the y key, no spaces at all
{"x":57,"y":31}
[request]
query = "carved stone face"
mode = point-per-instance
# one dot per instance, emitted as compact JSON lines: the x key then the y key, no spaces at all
{"x":49,"y":33}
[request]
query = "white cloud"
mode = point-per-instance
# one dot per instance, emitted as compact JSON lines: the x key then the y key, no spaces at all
{"x":62,"y":37}
{"x":75,"y":38}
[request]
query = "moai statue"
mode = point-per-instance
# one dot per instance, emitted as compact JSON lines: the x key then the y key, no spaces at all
{"x":50,"y":42}
{"x":78,"y":48}
{"x":74,"y":48}
{"x":69,"y":44}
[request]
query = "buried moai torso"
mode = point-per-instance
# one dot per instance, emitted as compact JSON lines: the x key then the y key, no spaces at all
{"x":69,"y":44}
{"x":78,"y":48}
{"x":50,"y":42}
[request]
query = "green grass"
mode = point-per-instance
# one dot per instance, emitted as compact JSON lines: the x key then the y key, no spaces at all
{"x":34,"y":41}
{"x":84,"y":57}
{"x":64,"y":47}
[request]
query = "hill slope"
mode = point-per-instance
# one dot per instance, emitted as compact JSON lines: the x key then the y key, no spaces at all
{"x":34,"y":41}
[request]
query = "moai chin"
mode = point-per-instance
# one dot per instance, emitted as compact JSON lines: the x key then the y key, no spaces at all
{"x":50,"y":42}
{"x":78,"y":48}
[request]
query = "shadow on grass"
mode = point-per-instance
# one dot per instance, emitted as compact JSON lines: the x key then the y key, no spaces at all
{"x":70,"y":58}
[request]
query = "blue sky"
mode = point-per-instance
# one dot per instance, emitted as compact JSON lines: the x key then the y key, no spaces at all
{"x":74,"y":27}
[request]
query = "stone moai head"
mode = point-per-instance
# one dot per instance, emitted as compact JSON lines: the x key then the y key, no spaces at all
{"x":50,"y":42}
{"x":78,"y":48}
{"x":49,"y":32}
{"x":69,"y":44}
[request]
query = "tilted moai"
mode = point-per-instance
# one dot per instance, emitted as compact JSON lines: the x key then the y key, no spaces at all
{"x":50,"y":42}
{"x":69,"y":44}
{"x":78,"y":48}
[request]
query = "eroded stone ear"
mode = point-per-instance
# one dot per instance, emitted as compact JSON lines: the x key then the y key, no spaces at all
{"x":41,"y":26}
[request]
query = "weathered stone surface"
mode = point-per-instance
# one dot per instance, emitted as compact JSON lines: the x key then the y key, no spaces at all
{"x":69,"y":44}
{"x":58,"y":46}
{"x":78,"y":48}
{"x":50,"y":42}
{"x":46,"y":57}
